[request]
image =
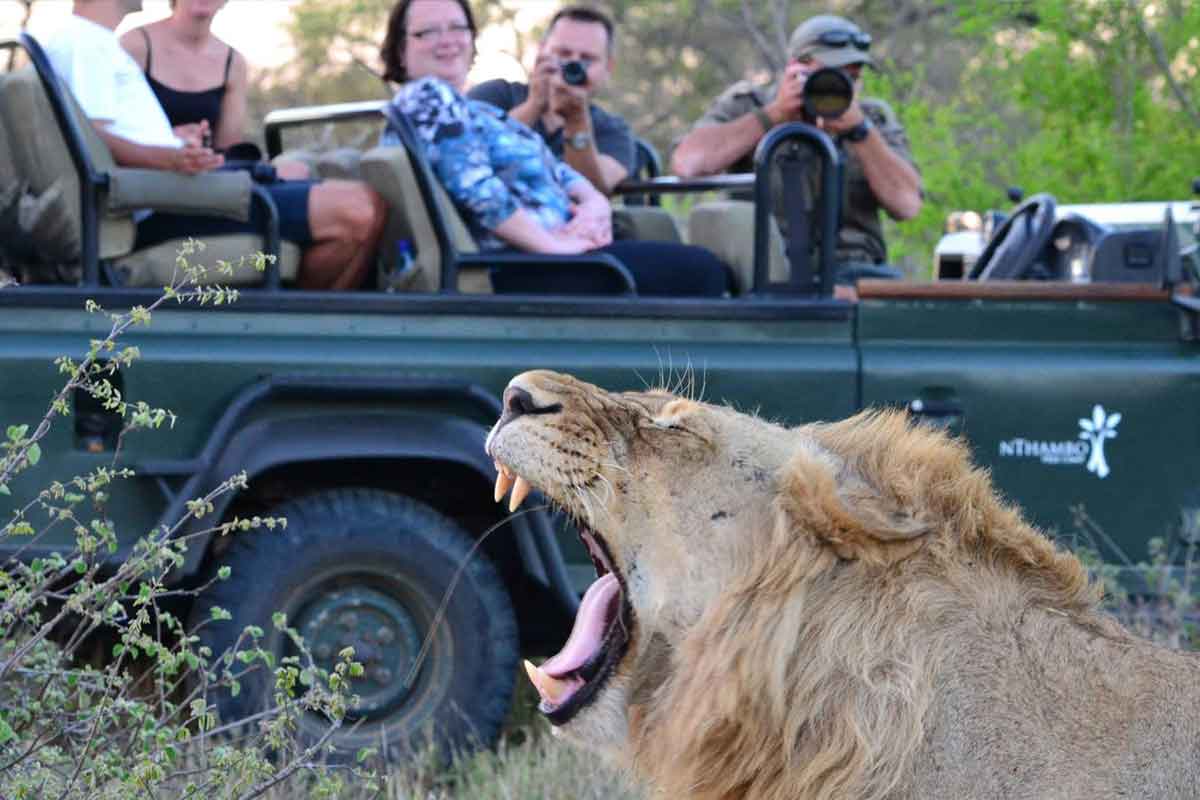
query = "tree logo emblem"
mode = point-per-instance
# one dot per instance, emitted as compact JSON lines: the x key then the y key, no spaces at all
{"x":1095,"y":430}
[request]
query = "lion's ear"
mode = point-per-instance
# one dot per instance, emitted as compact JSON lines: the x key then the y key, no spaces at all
{"x":676,"y":413}
{"x":828,"y":501}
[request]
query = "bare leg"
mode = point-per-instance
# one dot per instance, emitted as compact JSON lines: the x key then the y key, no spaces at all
{"x":291,"y":170}
{"x":346,"y":218}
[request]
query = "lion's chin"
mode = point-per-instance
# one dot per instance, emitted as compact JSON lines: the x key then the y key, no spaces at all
{"x":570,"y":680}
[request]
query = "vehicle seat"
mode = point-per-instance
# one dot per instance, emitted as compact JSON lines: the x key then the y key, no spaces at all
{"x":726,"y":227}
{"x":640,"y":217}
{"x":389,"y":171}
{"x":41,"y":153}
{"x":342,"y":163}
{"x":645,"y":224}
{"x":1128,"y":257}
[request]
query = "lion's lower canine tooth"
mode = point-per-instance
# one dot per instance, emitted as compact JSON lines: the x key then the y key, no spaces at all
{"x":549,"y":687}
{"x":503,"y":482}
{"x":520,"y":491}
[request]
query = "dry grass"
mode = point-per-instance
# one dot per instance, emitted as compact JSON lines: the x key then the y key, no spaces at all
{"x":528,"y":763}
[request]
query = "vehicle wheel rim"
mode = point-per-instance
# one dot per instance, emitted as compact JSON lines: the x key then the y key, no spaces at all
{"x":383,"y":633}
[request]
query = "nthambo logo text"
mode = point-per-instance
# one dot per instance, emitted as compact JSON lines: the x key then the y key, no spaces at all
{"x":1087,"y":449}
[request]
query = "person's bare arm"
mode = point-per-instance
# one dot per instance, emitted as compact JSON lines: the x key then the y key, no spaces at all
{"x":894,"y":182}
{"x":572,"y":103}
{"x":604,"y":172}
{"x":134,"y":43}
{"x":523,"y":231}
{"x":714,"y":148}
{"x":233,"y":106}
{"x":187,"y":160}
{"x":537,"y":101}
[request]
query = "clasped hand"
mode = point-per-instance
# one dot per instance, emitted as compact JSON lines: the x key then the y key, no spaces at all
{"x":590,"y":225}
{"x":196,"y":156}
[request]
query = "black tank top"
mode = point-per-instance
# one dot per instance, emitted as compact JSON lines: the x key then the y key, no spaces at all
{"x":184,"y":108}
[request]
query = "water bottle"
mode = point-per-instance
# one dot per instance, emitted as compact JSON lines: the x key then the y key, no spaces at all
{"x":404,"y":268}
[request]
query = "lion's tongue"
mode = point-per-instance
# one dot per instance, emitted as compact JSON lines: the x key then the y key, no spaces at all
{"x":588,"y":632}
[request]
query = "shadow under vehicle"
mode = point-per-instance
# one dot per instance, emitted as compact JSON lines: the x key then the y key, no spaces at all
{"x":361,"y":415}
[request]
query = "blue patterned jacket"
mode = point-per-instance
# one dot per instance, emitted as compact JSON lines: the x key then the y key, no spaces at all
{"x":489,"y":163}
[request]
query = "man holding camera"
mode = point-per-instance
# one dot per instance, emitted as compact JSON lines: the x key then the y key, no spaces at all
{"x":879,"y":169}
{"x":574,"y":62}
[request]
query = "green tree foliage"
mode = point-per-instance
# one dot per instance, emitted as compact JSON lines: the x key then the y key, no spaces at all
{"x":1089,"y":100}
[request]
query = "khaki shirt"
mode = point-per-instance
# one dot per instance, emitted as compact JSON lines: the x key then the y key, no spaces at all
{"x":861,"y":235}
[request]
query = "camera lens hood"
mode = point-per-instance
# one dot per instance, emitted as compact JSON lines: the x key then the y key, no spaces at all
{"x":574,"y":73}
{"x":828,"y":92}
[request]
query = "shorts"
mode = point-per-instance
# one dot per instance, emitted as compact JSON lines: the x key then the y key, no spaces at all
{"x":291,"y":198}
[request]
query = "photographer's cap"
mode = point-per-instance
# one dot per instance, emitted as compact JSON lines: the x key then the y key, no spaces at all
{"x":832,"y":40}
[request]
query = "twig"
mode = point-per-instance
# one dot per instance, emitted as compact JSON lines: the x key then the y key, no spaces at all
{"x":1164,"y":65}
{"x":296,"y":764}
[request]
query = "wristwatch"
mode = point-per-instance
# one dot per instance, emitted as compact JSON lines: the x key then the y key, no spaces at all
{"x":859,"y":131}
{"x":579,"y":141}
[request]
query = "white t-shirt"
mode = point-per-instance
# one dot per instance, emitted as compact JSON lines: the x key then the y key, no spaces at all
{"x":108,"y":83}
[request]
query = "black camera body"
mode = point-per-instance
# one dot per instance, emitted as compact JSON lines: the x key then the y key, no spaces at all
{"x":828,"y":92}
{"x":574,"y":73}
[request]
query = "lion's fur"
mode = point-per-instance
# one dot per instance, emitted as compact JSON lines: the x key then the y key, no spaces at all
{"x":862,"y":618}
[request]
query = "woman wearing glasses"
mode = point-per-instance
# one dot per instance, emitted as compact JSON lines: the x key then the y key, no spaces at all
{"x":512,"y":191}
{"x":880,"y":173}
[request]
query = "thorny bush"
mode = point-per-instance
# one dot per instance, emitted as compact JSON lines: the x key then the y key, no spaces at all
{"x":135,"y":721}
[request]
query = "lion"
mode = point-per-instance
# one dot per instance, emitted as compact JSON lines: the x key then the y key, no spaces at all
{"x":837,"y":610}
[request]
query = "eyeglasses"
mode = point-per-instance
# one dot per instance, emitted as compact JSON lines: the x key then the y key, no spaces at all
{"x":453,"y":30}
{"x":843,"y":38}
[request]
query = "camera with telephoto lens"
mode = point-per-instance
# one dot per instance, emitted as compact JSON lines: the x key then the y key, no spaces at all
{"x":574,"y":73}
{"x":828,"y":92}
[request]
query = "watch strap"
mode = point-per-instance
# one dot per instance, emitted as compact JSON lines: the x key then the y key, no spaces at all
{"x":859,"y":131}
{"x":764,"y":119}
{"x":579,"y":141}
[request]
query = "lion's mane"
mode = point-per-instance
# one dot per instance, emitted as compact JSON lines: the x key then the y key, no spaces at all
{"x":816,"y":667}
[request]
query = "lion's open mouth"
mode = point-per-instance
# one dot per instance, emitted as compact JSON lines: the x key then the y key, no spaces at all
{"x":569,"y":680}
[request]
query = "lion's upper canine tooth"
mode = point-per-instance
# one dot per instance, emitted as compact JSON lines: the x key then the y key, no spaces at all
{"x":549,"y":687}
{"x":503,"y":483}
{"x":520,"y":491}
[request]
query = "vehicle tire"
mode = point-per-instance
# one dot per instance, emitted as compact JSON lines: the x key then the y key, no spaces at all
{"x":369,"y":569}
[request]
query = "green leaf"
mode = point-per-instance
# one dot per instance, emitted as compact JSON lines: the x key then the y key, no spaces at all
{"x":4,"y":489}
{"x":34,"y":453}
{"x":223,"y":573}
{"x":7,"y":734}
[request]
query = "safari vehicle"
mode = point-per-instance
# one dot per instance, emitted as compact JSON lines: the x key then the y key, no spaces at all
{"x":968,"y":232}
{"x":361,"y":415}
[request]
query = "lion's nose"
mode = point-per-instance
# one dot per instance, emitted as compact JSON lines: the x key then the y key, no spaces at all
{"x":518,"y":402}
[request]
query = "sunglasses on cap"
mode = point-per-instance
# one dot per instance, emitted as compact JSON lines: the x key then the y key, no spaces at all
{"x":843,"y":38}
